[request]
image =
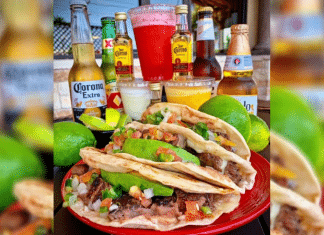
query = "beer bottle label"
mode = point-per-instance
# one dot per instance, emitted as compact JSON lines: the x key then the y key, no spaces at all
{"x":107,"y":43}
{"x":250,"y":102}
{"x":182,"y":56}
{"x":123,"y":59}
{"x":113,"y":96}
{"x":89,"y":98}
{"x":205,"y":30}
{"x":238,"y":62}
{"x":25,"y":82}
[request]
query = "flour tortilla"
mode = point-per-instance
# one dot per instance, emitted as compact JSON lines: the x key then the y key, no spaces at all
{"x":307,"y":183}
{"x":311,"y":213}
{"x":36,"y":196}
{"x":214,"y":124}
{"x":98,"y":159}
{"x":206,"y":174}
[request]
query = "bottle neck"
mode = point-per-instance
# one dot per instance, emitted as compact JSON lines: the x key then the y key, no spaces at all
{"x":83,"y":53}
{"x":239,"y":44}
{"x":121,"y":29}
{"x":182,"y":23}
{"x":206,"y":49}
{"x":80,"y":25}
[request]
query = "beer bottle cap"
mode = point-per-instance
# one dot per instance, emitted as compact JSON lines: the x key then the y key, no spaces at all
{"x":240,"y":28}
{"x":120,"y":16}
{"x":155,"y":86}
{"x":204,"y":9}
{"x":78,"y":2}
{"x":180,"y":9}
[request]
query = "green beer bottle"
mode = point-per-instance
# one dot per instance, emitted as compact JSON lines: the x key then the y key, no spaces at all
{"x":108,"y":65}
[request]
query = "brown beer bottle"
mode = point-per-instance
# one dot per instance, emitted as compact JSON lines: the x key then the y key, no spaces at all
{"x":205,"y":64}
{"x":238,"y":70}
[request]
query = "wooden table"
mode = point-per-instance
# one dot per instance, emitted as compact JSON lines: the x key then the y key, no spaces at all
{"x":66,"y":223}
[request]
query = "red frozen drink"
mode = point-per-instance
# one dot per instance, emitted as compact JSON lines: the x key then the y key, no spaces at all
{"x":153,"y":27}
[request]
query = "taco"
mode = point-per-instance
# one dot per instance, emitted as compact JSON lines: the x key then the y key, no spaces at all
{"x":37,"y":199}
{"x":292,"y":214}
{"x":179,"y":149}
{"x":209,"y":127}
{"x":291,"y":170}
{"x":113,"y":191}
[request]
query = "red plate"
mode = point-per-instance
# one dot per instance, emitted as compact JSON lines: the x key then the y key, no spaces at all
{"x":253,"y":204}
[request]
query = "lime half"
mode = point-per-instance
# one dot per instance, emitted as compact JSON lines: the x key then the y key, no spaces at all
{"x":112,"y":117}
{"x":124,"y":119}
{"x":95,"y":123}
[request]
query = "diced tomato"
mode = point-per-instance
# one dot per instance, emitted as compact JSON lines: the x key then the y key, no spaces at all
{"x":172,"y":118}
{"x":137,"y":135}
{"x":106,"y":202}
{"x":146,"y":202}
{"x":168,"y":137}
{"x":181,"y":123}
{"x":86,"y":177}
{"x":168,"y":151}
{"x":152,"y":131}
{"x":192,"y":211}
{"x":155,"y":134}
{"x":109,"y":147}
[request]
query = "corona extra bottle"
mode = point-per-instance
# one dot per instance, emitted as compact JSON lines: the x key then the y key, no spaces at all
{"x":86,"y":80}
{"x":237,"y":81}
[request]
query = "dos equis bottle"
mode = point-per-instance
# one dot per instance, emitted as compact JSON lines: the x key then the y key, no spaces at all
{"x":237,"y":81}
{"x":87,"y":85}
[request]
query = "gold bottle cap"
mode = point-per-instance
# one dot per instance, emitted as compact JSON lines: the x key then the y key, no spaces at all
{"x":240,"y":28}
{"x":204,"y":9}
{"x":181,"y":9}
{"x":155,"y":86}
{"x":120,"y":16}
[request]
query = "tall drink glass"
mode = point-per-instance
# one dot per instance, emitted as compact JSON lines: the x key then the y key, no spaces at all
{"x":153,"y":27}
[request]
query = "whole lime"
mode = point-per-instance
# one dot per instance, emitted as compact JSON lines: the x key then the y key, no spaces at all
{"x":231,"y":111}
{"x":16,"y":162}
{"x":260,"y":134}
{"x":69,"y":138}
{"x":293,"y":118}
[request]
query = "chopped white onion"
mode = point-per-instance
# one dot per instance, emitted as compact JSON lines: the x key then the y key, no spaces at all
{"x":115,"y":147}
{"x":148,"y":193}
{"x":104,"y":215}
{"x":113,"y":207}
{"x":96,"y":205}
{"x":75,"y":184}
{"x":82,"y":188}
{"x":73,"y":200}
{"x":211,"y":135}
{"x":86,"y":209}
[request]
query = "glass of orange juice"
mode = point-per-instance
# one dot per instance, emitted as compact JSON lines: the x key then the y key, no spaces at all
{"x":189,"y":92}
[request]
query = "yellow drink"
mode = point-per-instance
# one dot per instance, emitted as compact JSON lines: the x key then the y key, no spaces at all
{"x":193,"y":93}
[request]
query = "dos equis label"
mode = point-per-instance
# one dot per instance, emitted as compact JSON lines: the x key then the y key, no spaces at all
{"x":123,"y":59}
{"x":182,"y":56}
{"x":89,"y":98}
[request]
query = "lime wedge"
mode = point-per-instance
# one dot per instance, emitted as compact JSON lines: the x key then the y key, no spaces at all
{"x":112,"y":116}
{"x":124,"y":119}
{"x":95,"y":123}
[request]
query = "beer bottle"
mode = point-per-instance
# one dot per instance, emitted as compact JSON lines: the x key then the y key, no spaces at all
{"x":181,"y":44}
{"x":86,"y":80}
{"x":108,"y":64}
{"x":206,"y":65}
{"x":26,"y":67}
{"x":237,"y":81}
{"x":123,"y":49}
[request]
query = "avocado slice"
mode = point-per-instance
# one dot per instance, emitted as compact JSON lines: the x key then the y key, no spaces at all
{"x":146,"y":149}
{"x":127,"y":180}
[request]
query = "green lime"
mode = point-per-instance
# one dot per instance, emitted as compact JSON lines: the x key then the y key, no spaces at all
{"x":16,"y":162}
{"x":124,"y":119}
{"x":260,"y":134}
{"x":293,"y":118}
{"x":34,"y":133}
{"x":95,"y":123}
{"x":231,"y":111}
{"x":69,"y":138}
